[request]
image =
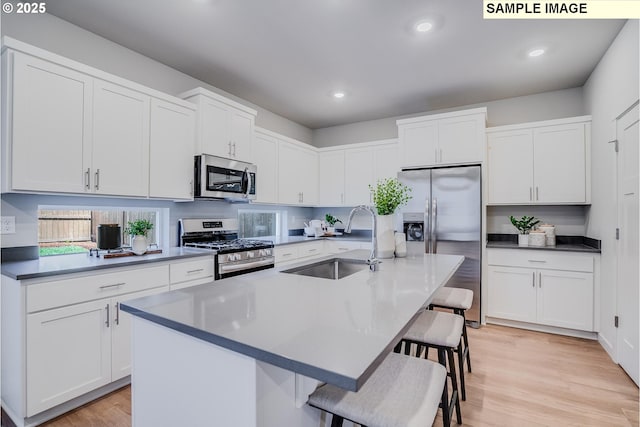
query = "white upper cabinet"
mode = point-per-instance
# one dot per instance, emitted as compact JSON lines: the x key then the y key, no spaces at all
{"x":442,"y":139}
{"x":70,"y":128}
{"x":265,"y":154}
{"x":298,"y":174}
{"x":224,"y":127}
{"x":120,"y":155}
{"x":171,"y":148}
{"x":47,"y":121}
{"x":331,"y":178}
{"x":540,"y":163}
{"x":359,"y":174}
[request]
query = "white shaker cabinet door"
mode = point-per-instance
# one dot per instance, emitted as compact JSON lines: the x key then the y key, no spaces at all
{"x":559,"y":159}
{"x":512,"y":293}
{"x":461,"y":139}
{"x":214,"y":128}
{"x":289,"y":170}
{"x":331,"y":178}
{"x":565,"y":299}
{"x":241,"y":135}
{"x":68,"y":353}
{"x":50,"y":126}
{"x":387,"y":162}
{"x":359,"y":174}
{"x":120,"y":141}
{"x":171,"y":150}
{"x":510,"y":168}
{"x":308,"y":176}
{"x":265,"y":155}
{"x":419,"y":144}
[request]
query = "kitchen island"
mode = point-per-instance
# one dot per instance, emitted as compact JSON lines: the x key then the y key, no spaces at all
{"x":248,"y":350}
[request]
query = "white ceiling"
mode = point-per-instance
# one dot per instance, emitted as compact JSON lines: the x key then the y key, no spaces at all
{"x":288,"y":56}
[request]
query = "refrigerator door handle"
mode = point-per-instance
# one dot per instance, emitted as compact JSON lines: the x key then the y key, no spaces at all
{"x":434,"y":226}
{"x":427,"y":226}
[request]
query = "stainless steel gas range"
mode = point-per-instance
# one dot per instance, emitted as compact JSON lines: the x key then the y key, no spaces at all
{"x":233,"y":256}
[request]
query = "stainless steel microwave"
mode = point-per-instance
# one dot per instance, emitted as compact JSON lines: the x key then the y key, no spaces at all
{"x":220,"y":178}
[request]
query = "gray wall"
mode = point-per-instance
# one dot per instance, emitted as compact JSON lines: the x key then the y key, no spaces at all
{"x":56,"y":35}
{"x":569,"y":220}
{"x":543,"y":106}
{"x":610,"y":90}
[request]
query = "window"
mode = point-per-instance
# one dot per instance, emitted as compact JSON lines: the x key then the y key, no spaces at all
{"x":258,"y":223}
{"x":69,"y":231}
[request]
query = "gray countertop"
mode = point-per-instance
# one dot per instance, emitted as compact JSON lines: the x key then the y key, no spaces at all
{"x":335,"y":331}
{"x":287,"y":240}
{"x":65,"y":264}
{"x":567,"y":247}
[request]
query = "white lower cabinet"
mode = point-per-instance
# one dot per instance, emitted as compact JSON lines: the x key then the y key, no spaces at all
{"x":191,"y":273}
{"x":538,"y":288}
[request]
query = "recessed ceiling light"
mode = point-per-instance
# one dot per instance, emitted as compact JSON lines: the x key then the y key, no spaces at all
{"x":536,"y":52}
{"x":338,"y":95}
{"x":423,"y":26}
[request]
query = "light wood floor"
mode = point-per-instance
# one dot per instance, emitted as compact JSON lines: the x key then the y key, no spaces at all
{"x":520,"y":378}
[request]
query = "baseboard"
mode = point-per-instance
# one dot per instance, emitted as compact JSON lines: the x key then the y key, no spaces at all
{"x":56,"y":411}
{"x":608,"y":347}
{"x":543,"y":328}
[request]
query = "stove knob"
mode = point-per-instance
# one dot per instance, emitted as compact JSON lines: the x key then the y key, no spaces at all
{"x":251,"y":254}
{"x":234,"y":257}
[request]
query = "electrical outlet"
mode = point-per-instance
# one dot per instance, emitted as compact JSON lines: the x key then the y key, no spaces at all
{"x":8,"y":225}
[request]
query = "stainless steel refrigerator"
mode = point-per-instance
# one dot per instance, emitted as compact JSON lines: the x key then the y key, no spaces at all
{"x":444,"y":216}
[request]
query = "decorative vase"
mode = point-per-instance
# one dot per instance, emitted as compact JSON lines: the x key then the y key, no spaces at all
{"x":523,"y":240}
{"x":138,"y":244}
{"x":385,"y":236}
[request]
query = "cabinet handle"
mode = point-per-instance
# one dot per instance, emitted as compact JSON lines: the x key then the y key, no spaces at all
{"x":87,"y":184}
{"x":302,"y":197}
{"x":436,"y":154}
{"x":97,"y":178}
{"x":441,"y":155}
{"x":229,"y":151}
{"x":536,"y":193}
{"x":195,"y":271}
{"x":530,"y":193}
{"x":289,"y":254}
{"x":234,"y":149}
{"x":117,"y":313}
{"x":341,"y":197}
{"x":536,"y":260}
{"x":312,"y":250}
{"x":108,"y":315}
{"x":191,"y":188}
{"x":113,"y":286}
{"x":539,"y":279}
{"x":533,"y":279}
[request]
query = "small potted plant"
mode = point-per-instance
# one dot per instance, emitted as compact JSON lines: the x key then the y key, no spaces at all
{"x":524,"y":226}
{"x":138,"y":230}
{"x":388,"y":195}
{"x":331,"y":223}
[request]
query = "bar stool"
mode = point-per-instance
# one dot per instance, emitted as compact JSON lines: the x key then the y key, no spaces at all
{"x":442,"y":331}
{"x":459,"y":300}
{"x":402,"y":391}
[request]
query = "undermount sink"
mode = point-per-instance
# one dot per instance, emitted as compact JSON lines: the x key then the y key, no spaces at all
{"x":334,"y":268}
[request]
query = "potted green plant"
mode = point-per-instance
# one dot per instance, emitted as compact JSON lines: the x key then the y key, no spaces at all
{"x":138,"y":230}
{"x":388,"y":195}
{"x":331,"y":223}
{"x":524,"y":225}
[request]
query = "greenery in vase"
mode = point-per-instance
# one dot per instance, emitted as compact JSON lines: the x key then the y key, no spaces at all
{"x":388,"y":194}
{"x":331,"y":220}
{"x":139,"y":227}
{"x":525,"y":224}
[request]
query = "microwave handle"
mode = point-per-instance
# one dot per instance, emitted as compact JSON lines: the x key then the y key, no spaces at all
{"x":246,"y":182}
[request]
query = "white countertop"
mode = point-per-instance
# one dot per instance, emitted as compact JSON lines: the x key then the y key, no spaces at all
{"x":332,"y":330}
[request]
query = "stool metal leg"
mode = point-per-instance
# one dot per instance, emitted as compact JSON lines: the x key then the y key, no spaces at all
{"x":454,"y":384}
{"x":461,"y":369}
{"x":336,"y":421}
{"x":446,"y":410}
{"x":466,"y":339}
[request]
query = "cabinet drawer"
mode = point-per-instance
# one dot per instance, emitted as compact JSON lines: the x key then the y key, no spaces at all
{"x":286,"y":253}
{"x":191,"y":270}
{"x":42,"y":296}
{"x":541,"y":259}
{"x":310,"y":249}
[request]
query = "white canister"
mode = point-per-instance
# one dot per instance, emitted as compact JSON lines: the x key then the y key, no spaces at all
{"x":537,"y":238}
{"x":550,"y":232}
{"x":401,"y":245}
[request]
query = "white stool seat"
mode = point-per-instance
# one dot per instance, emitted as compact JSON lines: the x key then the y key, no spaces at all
{"x":402,"y":391}
{"x":453,"y":297}
{"x":436,"y":328}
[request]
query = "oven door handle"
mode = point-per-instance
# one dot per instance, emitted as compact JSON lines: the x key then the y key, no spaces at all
{"x":228,"y":268}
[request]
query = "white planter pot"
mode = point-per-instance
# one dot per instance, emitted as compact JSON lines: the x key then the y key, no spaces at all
{"x":385,"y":236}
{"x":331,"y":230}
{"x":523,"y":240}
{"x":138,"y":244}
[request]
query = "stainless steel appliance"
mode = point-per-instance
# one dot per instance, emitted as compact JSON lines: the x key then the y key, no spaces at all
{"x":233,"y":256}
{"x":447,"y":204}
{"x":220,"y":178}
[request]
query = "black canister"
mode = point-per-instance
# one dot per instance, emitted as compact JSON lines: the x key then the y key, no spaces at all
{"x":109,"y":236}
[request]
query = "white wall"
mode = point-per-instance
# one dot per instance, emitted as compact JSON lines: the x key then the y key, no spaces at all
{"x":542,"y":106}
{"x":56,"y":35}
{"x":611,"y":89}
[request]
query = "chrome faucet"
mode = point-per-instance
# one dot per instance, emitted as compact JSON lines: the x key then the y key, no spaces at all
{"x":373,"y":258}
